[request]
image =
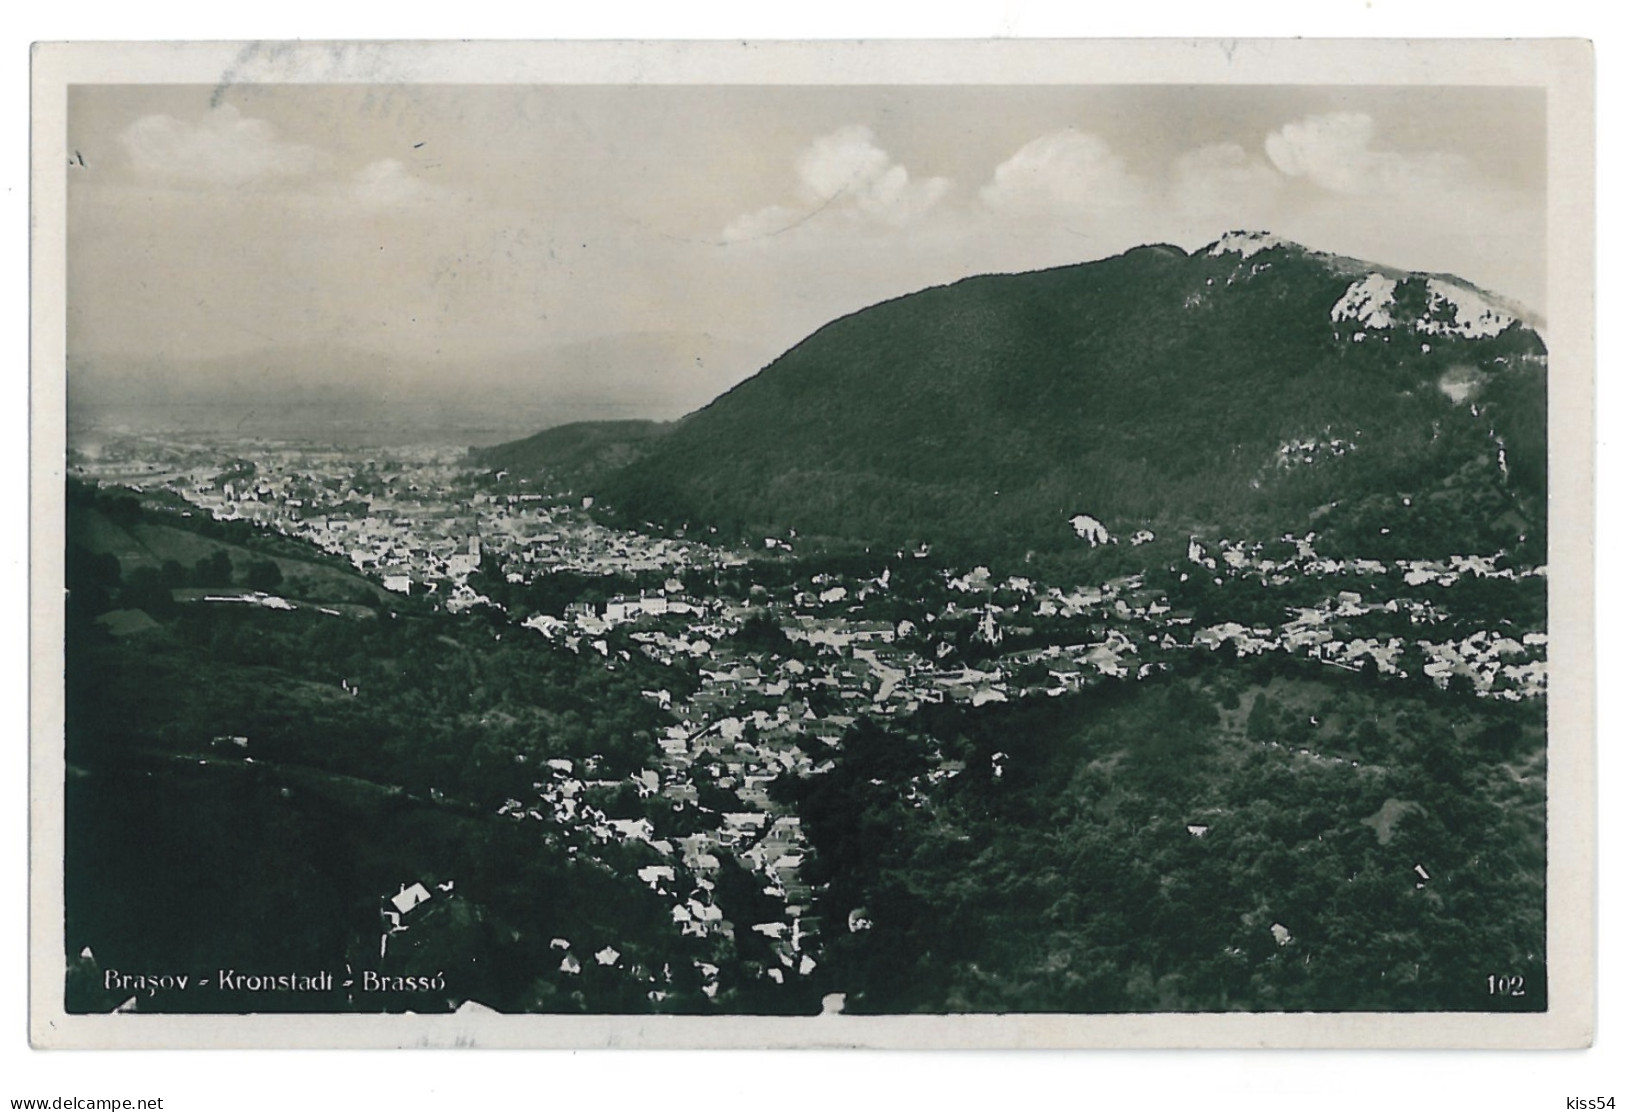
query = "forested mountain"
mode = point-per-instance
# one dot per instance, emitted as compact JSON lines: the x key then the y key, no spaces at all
{"x":1242,"y":386}
{"x":582,"y":450}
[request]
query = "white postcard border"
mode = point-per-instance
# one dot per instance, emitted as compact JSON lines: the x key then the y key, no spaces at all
{"x":1564,"y":68}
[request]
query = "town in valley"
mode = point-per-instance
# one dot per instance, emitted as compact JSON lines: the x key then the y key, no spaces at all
{"x":761,"y":657}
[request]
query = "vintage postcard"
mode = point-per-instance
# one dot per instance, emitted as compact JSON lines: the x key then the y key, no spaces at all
{"x":978,"y":544}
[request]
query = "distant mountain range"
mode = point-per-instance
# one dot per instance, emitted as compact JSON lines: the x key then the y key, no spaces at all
{"x":1247,"y":385}
{"x":321,"y":390}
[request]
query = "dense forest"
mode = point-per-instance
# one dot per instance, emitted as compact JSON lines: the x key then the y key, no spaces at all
{"x":1150,"y":389}
{"x":1240,"y":836}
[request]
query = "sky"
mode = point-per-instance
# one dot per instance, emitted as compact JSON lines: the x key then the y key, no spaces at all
{"x":476,"y":226}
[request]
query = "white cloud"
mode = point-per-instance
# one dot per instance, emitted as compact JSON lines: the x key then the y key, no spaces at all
{"x":1421,"y":210}
{"x":388,"y":182}
{"x":845,"y":173}
{"x":844,"y":161}
{"x":222,"y":148}
{"x":1334,"y":152}
{"x":1066,"y":172}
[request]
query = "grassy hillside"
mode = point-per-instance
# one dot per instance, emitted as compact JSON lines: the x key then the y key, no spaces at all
{"x":165,"y":543}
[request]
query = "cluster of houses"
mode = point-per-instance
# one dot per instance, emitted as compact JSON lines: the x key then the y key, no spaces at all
{"x":855,"y":650}
{"x":1302,"y":451}
{"x":144,"y":462}
{"x":408,"y":520}
{"x":756,"y":834}
{"x":1494,"y":664}
{"x":403,"y":517}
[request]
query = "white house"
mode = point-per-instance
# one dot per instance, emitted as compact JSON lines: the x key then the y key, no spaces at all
{"x":408,"y":898}
{"x":1089,"y":529}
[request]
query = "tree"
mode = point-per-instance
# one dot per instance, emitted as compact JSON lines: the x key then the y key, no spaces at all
{"x":761,"y":633}
{"x":1499,"y":740}
{"x":91,"y":579}
{"x":144,"y":589}
{"x":1260,"y":721}
{"x":264,"y":575}
{"x":122,"y":510}
{"x":214,"y":570}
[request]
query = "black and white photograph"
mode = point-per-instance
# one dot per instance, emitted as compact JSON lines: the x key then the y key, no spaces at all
{"x":738,"y":544}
